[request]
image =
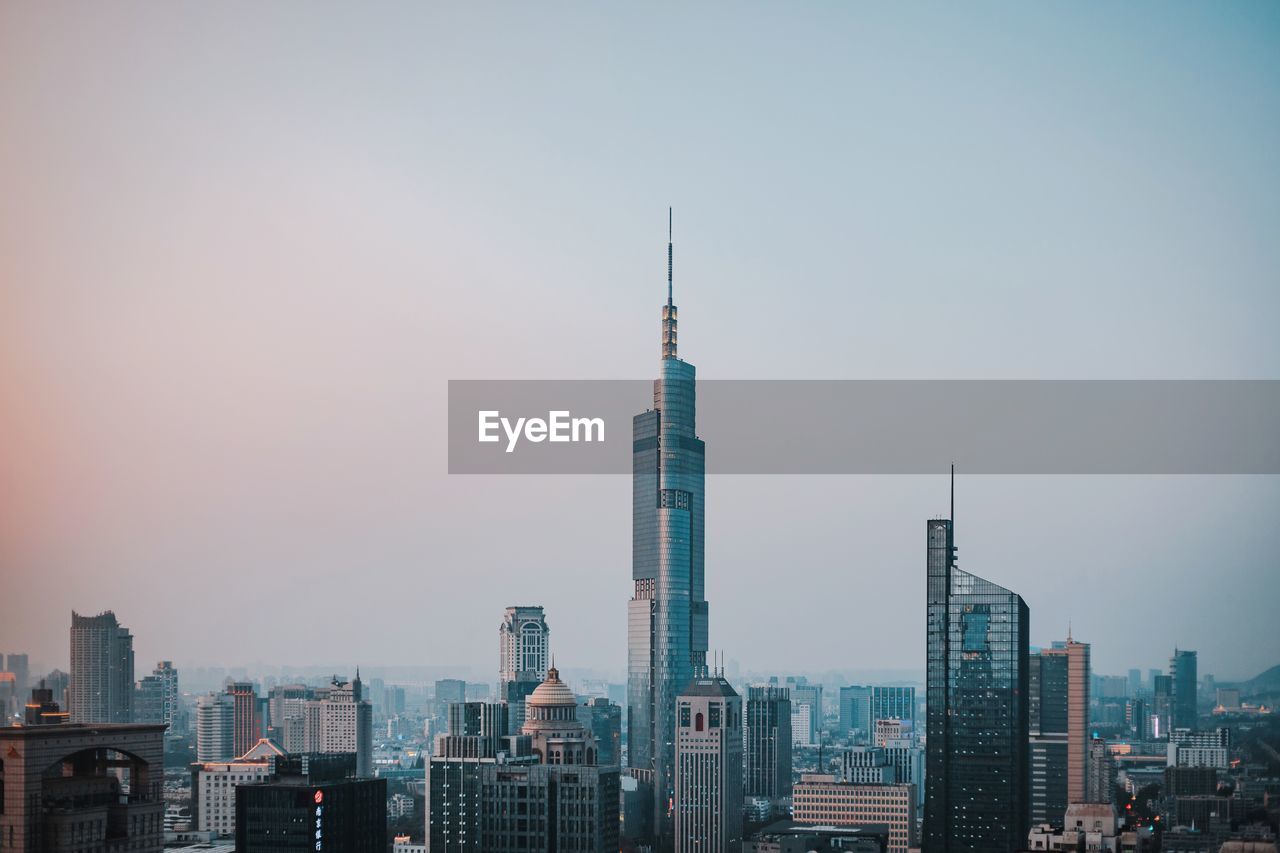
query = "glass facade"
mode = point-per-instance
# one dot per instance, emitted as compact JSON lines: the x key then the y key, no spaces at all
{"x":977,"y":716}
{"x":667,"y":615}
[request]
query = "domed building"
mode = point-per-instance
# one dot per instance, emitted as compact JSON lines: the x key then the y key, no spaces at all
{"x":542,"y":790}
{"x":551,"y":722}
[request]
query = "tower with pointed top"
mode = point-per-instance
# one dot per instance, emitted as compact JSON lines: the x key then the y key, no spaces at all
{"x":667,"y":614}
{"x":977,"y":771}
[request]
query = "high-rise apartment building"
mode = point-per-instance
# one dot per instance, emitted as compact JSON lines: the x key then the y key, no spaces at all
{"x":215,"y":728}
{"x":102,"y":685}
{"x":977,"y":775}
{"x":1182,"y":675}
{"x":821,"y":799}
{"x":1100,"y":782}
{"x":523,"y":657}
{"x":708,"y":795}
{"x":767,"y":724}
{"x":667,"y":614}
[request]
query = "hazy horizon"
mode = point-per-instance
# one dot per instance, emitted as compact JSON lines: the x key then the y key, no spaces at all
{"x":243,"y":248}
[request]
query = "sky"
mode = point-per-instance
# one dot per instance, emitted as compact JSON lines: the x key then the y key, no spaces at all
{"x":243,"y":248}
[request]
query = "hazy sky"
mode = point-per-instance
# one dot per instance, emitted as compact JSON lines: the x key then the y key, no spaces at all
{"x":244,"y":246}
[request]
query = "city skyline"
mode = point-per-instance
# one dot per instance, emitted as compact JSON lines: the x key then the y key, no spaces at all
{"x":239,"y":373}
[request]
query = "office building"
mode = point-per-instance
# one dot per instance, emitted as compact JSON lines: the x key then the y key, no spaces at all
{"x":708,"y":805}
{"x":148,"y":700}
{"x":71,"y":787}
{"x":1161,"y":705}
{"x":767,"y":759}
{"x":855,"y":713}
{"x":476,"y":730}
{"x":1182,"y":675}
{"x":604,"y":720}
{"x":523,"y":640}
{"x":312,"y":802}
{"x":215,"y":728}
{"x":821,"y":799}
{"x":893,"y":703}
{"x":887,"y":730}
{"x":102,"y":685}
{"x":247,"y":722}
{"x":341,"y":720}
{"x":867,"y":765}
{"x":667,"y":615}
{"x":543,"y":790}
{"x":213,"y":786}
{"x":1058,"y":716}
{"x":907,"y":760}
{"x":977,"y":759}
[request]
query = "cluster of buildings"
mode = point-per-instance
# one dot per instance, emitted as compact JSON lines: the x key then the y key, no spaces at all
{"x":1009,"y":748}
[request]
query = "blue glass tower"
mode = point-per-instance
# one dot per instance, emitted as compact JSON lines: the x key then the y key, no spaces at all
{"x":667,"y":614}
{"x":977,"y":771}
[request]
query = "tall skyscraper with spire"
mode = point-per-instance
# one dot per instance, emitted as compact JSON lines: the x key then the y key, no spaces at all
{"x":977,"y":771}
{"x":667,"y":614}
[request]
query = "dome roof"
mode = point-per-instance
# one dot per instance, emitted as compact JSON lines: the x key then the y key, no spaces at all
{"x":551,"y":693}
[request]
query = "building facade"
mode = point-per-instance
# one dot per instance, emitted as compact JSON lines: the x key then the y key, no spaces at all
{"x":708,"y":795}
{"x":73,"y":787}
{"x":667,"y":614}
{"x":767,"y":761}
{"x":1182,"y":676}
{"x":215,"y":727}
{"x":523,"y":657}
{"x":213,"y":786}
{"x":312,"y":803}
{"x":542,"y":790}
{"x":102,"y":686}
{"x":977,"y":763}
{"x":822,"y":799}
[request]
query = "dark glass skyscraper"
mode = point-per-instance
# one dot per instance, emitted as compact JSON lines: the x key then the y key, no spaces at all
{"x":667,"y":615}
{"x":1182,"y":673}
{"x":976,"y":779}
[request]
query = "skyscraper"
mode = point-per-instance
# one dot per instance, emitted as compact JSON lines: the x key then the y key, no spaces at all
{"x":708,"y":795}
{"x":522,"y":659}
{"x":1059,"y":725}
{"x":768,"y":743}
{"x":215,"y":727}
{"x":667,"y":614}
{"x":977,"y":714}
{"x":246,"y":727}
{"x":102,"y":686}
{"x":1182,"y":673}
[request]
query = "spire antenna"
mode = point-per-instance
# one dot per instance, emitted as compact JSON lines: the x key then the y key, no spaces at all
{"x":953,"y":495}
{"x":669,"y":310}
{"x":669,"y":232}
